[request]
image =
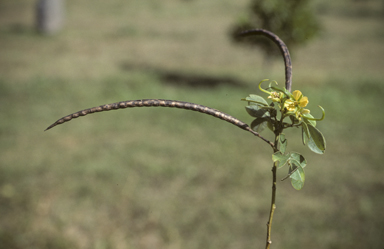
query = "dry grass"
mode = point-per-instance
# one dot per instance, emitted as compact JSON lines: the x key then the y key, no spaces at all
{"x":164,"y":178}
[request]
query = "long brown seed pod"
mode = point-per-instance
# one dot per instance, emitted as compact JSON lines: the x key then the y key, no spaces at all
{"x":162,"y":103}
{"x":283,"y":49}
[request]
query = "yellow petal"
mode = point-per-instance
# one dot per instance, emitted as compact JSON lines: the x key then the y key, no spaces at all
{"x":304,"y":102}
{"x":305,"y":111}
{"x":296,"y":94}
{"x":290,"y":106}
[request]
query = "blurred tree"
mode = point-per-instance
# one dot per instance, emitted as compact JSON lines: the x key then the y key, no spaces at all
{"x":293,"y":21}
{"x":49,"y":16}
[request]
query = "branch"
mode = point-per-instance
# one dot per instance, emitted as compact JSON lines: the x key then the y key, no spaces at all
{"x":273,"y":206}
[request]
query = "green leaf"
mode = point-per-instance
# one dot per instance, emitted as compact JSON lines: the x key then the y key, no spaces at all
{"x":270,"y":125}
{"x":307,"y":115}
{"x":297,"y":163}
{"x":304,"y":133}
{"x":253,"y":98}
{"x":298,"y":159}
{"x":280,"y":158}
{"x":297,"y":177}
{"x":256,"y":111}
{"x":268,"y":108}
{"x":316,"y":140}
{"x":282,"y":143}
{"x":259,"y":124}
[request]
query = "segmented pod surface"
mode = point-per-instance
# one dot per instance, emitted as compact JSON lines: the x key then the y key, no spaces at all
{"x":155,"y":103}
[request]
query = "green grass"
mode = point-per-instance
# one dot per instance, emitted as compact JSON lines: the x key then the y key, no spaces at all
{"x":168,"y":178}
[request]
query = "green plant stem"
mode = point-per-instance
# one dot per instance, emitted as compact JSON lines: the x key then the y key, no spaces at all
{"x":273,"y":201}
{"x":273,"y":207}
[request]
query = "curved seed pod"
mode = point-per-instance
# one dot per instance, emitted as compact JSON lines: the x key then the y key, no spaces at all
{"x":162,"y":103}
{"x":283,"y":48}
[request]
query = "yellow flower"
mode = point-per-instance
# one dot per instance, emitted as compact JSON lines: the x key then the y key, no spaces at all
{"x":297,"y":104}
{"x":276,"y":97}
{"x":298,"y":101}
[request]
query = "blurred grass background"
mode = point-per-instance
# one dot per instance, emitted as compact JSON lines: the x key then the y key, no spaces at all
{"x":167,"y":178}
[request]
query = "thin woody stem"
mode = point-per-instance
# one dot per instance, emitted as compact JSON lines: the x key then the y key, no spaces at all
{"x":273,"y":201}
{"x":273,"y":207}
{"x":288,"y":85}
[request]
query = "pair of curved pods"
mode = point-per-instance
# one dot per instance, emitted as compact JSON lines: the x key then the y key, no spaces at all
{"x":191,"y":106}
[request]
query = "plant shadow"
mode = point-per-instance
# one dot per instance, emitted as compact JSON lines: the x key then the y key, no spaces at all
{"x":178,"y":78}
